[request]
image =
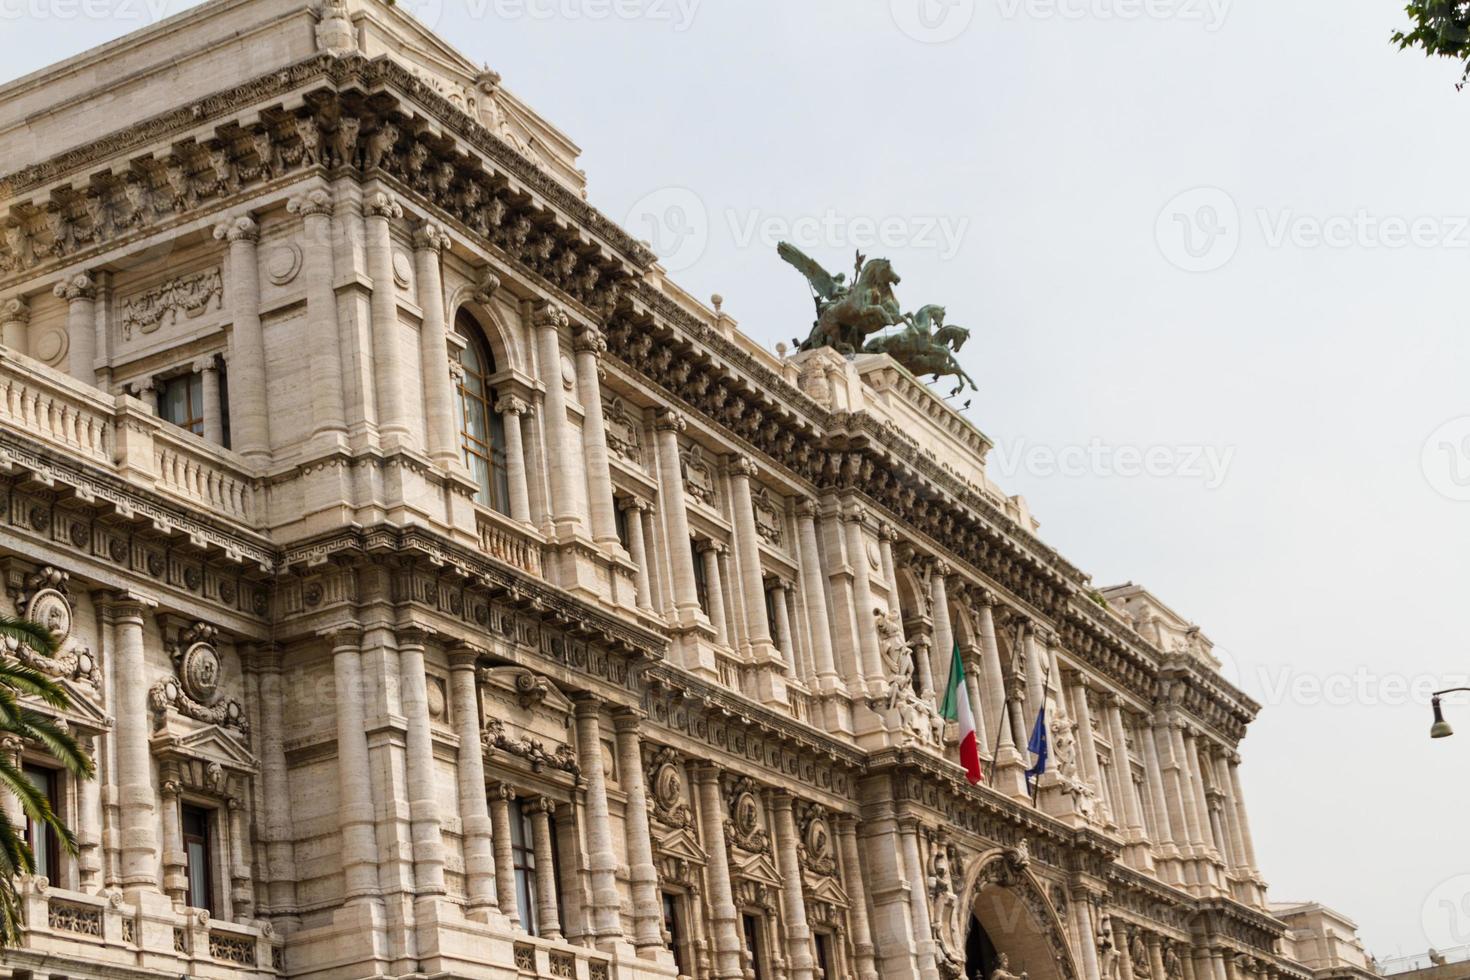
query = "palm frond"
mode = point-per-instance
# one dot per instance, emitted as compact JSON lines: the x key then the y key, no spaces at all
{"x":59,"y":742}
{"x":28,"y":680}
{"x":36,"y":806}
{"x":34,"y":635}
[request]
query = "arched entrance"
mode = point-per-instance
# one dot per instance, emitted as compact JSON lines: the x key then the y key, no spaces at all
{"x":1012,"y":926}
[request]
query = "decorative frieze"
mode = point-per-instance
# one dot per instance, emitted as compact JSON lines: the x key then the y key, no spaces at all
{"x":188,"y":297}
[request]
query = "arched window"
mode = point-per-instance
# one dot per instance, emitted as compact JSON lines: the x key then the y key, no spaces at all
{"x":482,"y":431}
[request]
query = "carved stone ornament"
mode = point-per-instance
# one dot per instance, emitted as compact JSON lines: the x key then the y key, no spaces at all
{"x":814,"y":849}
{"x":666,"y":790}
{"x":162,"y":306}
{"x":699,"y":475}
{"x":43,"y":598}
{"x":622,"y":430}
{"x":494,"y":737}
{"x":743,"y":827}
{"x":767,"y":516}
{"x":195,"y":690}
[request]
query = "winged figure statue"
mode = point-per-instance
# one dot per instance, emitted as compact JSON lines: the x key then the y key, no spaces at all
{"x":847,"y":313}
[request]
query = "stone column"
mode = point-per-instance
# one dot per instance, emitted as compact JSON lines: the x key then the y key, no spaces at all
{"x":589,"y":345}
{"x":638,"y":551}
{"x":1118,"y":931}
{"x":380,"y":210}
{"x":853,"y":521}
{"x":1132,"y":815}
{"x":886,"y":538}
{"x":1173,"y":786}
{"x":324,"y":356}
{"x":1241,"y":816}
{"x":428,"y":840}
{"x":1086,"y":740}
{"x":276,"y":789}
{"x":923,"y":648}
{"x":1163,"y":831}
{"x":548,"y":916}
{"x":643,"y":876}
{"x":747,"y":552}
{"x":89,"y":823}
{"x":814,"y":595}
{"x":505,"y":873}
{"x":355,"y":802}
{"x":1035,"y":676}
{"x":602,"y":862}
{"x":798,"y":934}
{"x":783,"y":626}
{"x":1193,"y":819}
{"x":134,"y":759}
{"x":709,"y":553}
{"x":214,"y":424}
{"x":80,"y":293}
{"x":1233,"y":836}
{"x":992,"y":675}
{"x":482,"y":898}
{"x":1194,"y":749}
{"x":15,"y":318}
{"x":676,"y":517}
{"x":175,"y":862}
{"x":443,"y":441}
{"x":1156,"y":957}
{"x":1086,"y":936}
{"x":913,"y":865}
{"x":943,"y":628}
{"x":561,"y":451}
{"x":249,"y":417}
{"x":853,"y":877}
{"x":723,"y":917}
{"x":512,"y":409}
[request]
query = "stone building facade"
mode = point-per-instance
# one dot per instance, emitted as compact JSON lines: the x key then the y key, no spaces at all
{"x":445,"y":593}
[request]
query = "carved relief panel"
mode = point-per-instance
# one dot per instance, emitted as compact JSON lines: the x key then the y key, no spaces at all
{"x":528,"y":722}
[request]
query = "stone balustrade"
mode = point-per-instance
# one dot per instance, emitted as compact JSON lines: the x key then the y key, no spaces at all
{"x":509,"y":541}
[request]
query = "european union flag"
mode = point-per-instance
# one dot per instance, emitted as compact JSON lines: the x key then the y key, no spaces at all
{"x":1038,"y":748}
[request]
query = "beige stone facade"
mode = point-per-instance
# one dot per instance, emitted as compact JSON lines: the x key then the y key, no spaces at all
{"x":447,"y":594}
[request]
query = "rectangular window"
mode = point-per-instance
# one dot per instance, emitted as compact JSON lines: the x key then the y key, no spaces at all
{"x":197,"y":824}
{"x":771,"y":615}
{"x":753,"y":946}
{"x":181,"y":401}
{"x":224,"y":406}
{"x":621,"y":521}
{"x":701,"y":581}
{"x":523,"y":859}
{"x":41,"y":838}
{"x":674,"y":929}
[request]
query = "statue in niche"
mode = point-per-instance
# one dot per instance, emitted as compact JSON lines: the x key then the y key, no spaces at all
{"x":1002,"y":970}
{"x":897,"y":655}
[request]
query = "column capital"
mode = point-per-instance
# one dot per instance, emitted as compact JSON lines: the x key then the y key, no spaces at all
{"x":313,"y":202}
{"x":855,"y":514}
{"x":381,"y":204}
{"x":463,"y":656}
{"x":549,"y":316}
{"x":429,"y":237}
{"x":585,"y":704}
{"x":628,"y":721}
{"x":210,"y":362}
{"x":806,"y":507}
{"x":17,"y":309}
{"x":782,"y":799}
{"x":742,"y":465}
{"x":669,"y":420}
{"x":123,"y":605}
{"x":512,"y":405}
{"x":79,"y":286}
{"x":589,"y":340}
{"x":502,"y":792}
{"x":342,"y":637}
{"x":412,"y":636}
{"x":241,"y":228}
{"x":1233,"y":758}
{"x":887,"y":532}
{"x":707,"y":545}
{"x":542,"y":804}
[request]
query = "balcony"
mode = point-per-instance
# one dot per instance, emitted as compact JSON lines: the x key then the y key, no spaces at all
{"x":104,"y":930}
{"x":123,"y":436}
{"x":510,"y":541}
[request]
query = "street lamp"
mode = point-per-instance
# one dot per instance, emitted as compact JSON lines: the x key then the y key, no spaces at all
{"x":1441,"y":728}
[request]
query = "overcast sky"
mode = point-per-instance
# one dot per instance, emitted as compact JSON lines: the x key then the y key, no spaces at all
{"x":1228,"y":237}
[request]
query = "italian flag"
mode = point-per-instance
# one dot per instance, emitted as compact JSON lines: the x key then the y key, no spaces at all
{"x":957,"y":709}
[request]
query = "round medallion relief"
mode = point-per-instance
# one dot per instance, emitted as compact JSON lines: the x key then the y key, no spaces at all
{"x":402,"y":270}
{"x":436,"y":700}
{"x":50,"y":347}
{"x":200,"y":670}
{"x":50,"y":608}
{"x":283,"y":263}
{"x":747,"y":812}
{"x":568,"y":372}
{"x":875,"y":558}
{"x":668,"y":787}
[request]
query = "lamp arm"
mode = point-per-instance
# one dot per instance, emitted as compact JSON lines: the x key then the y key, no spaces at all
{"x":1449,"y":690}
